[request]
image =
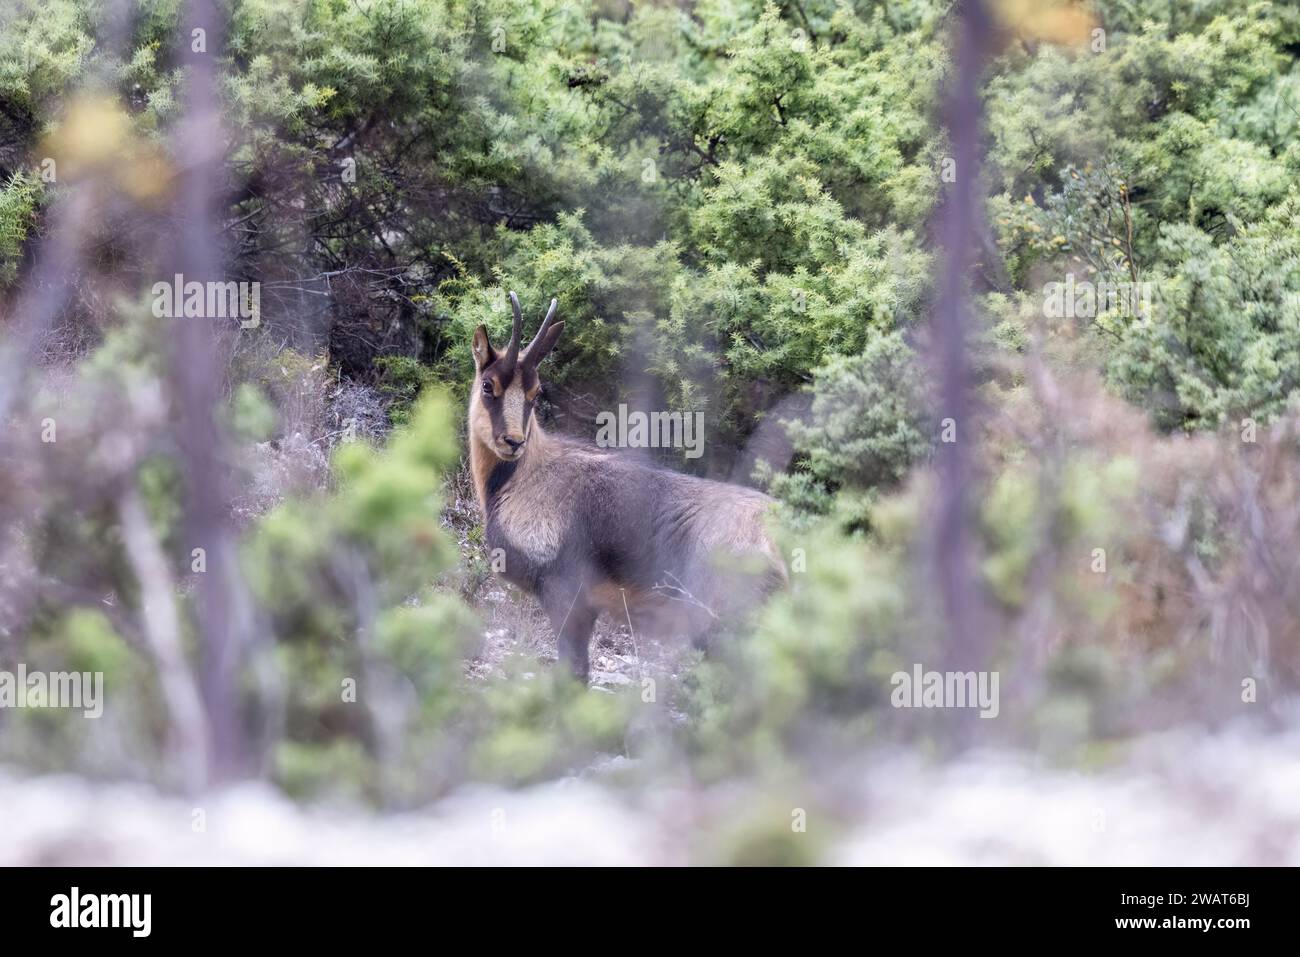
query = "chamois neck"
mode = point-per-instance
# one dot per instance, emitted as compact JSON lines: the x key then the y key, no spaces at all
{"x":482,"y":460}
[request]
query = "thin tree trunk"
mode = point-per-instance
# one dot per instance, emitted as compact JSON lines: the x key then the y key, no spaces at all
{"x":953,"y":542}
{"x":223,"y":608}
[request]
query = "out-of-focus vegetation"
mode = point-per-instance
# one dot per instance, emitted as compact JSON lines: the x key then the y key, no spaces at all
{"x":734,"y":203}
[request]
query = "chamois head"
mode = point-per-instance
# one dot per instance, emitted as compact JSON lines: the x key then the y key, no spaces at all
{"x":506,"y":385}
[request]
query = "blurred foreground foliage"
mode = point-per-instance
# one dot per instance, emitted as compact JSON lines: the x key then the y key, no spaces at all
{"x":733,"y":202}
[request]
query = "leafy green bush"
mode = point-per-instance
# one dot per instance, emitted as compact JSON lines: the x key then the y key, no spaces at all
{"x":17,"y":206}
{"x":866,"y":426}
{"x":1224,"y":343}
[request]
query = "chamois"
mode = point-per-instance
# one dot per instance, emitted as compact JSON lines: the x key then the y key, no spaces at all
{"x":587,"y":529}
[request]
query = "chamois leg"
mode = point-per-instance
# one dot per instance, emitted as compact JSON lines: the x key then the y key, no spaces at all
{"x":572,"y":618}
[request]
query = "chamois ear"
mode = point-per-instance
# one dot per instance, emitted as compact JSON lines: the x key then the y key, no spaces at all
{"x":544,"y":343}
{"x":484,"y":354}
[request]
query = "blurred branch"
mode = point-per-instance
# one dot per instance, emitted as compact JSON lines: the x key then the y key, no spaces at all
{"x":162,"y":631}
{"x":224,"y":611}
{"x":953,"y":554}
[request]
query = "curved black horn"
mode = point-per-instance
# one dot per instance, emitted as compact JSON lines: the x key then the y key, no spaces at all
{"x":541,"y":331}
{"x":512,"y":350}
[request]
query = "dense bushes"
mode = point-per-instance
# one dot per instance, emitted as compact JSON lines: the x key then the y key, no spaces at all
{"x":726,"y":199}
{"x":733,"y":203}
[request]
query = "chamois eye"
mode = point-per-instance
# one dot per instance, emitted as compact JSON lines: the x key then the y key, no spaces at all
{"x":487,"y":387}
